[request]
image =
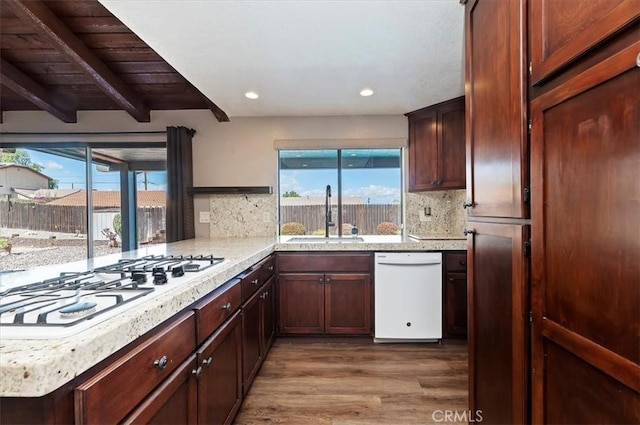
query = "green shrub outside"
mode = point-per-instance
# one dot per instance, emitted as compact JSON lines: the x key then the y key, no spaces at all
{"x":117,"y":224}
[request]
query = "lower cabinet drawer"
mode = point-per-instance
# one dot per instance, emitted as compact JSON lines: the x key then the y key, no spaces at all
{"x":251,"y":283}
{"x":110,"y":395}
{"x":324,"y":262}
{"x":214,"y":310}
{"x":456,"y":262}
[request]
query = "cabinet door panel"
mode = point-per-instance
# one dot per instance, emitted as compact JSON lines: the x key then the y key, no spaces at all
{"x":251,"y":334}
{"x":268,"y":315}
{"x":586,"y":282}
{"x":301,"y":303}
{"x":561,"y":32}
{"x":496,"y":96}
{"x":456,"y":303}
{"x":101,"y":399}
{"x":173,"y":402}
{"x":220,"y":386}
{"x":451,"y":165}
{"x":347,"y":303}
{"x":423,"y":152}
{"x":498,"y":322}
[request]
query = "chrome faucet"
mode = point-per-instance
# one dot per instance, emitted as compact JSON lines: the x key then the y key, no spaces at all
{"x":327,"y":211}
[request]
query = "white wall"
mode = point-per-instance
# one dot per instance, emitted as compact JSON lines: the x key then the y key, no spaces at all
{"x":237,"y":153}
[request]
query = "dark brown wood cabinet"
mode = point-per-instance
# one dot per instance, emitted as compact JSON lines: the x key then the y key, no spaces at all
{"x":347,"y":303}
{"x":324,"y":293}
{"x":301,"y":307}
{"x":455,"y":294}
{"x":268,"y":314}
{"x":496,"y":93}
{"x":585,"y":141}
{"x":496,"y":104}
{"x":101,"y":399}
{"x":498,"y":280}
{"x":173,"y":402}
{"x":561,"y":33}
{"x":582,"y":107}
{"x":250,"y":340}
{"x":437,"y":147}
{"x":219,"y":371}
{"x":258,"y":320}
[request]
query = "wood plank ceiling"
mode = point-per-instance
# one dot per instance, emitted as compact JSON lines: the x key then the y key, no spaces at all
{"x":74,"y":55}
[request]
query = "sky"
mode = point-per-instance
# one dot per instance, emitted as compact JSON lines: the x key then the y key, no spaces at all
{"x":373,"y":185}
{"x":70,"y":174}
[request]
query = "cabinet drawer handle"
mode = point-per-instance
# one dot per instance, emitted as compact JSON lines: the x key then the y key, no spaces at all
{"x":254,"y":281}
{"x":227,"y":307}
{"x":270,"y":268}
{"x":451,"y":279}
{"x":321,"y":280}
{"x":468,"y":232}
{"x":466,"y":205}
{"x":207,"y":362}
{"x":327,"y":280}
{"x":161,"y":363}
{"x":197,"y":372}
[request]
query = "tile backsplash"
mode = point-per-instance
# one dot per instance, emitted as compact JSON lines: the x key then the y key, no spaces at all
{"x":256,"y":215}
{"x":447,"y":218}
{"x":243,"y":215}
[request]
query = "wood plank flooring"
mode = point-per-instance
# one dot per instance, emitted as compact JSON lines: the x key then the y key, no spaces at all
{"x":337,"y":383}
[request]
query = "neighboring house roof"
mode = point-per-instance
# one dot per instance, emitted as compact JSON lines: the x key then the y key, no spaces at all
{"x":111,"y":199}
{"x":53,"y":193}
{"x":11,"y":164}
{"x":319,"y":200}
{"x":26,"y":193}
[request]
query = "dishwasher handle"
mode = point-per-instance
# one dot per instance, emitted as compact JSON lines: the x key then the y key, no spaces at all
{"x":408,"y":261}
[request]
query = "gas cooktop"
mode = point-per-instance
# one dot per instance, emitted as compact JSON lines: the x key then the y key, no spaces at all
{"x":74,"y":301}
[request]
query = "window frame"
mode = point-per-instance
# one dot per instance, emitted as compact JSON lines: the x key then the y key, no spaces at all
{"x":339,"y":170}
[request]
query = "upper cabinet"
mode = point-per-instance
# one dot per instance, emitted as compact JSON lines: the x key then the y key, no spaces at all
{"x":559,"y":32}
{"x":436,"y":147}
{"x":496,"y":96}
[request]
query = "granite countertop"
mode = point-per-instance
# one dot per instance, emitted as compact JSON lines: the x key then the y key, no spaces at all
{"x":373,"y":243}
{"x":35,"y":367}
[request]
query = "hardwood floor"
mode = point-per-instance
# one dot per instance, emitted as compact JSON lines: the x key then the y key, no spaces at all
{"x":338,"y":383}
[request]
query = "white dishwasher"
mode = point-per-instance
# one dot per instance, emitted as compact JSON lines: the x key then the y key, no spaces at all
{"x":408,"y":296}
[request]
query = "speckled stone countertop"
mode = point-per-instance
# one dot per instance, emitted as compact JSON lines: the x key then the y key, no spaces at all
{"x":35,"y":367}
{"x":372,"y":243}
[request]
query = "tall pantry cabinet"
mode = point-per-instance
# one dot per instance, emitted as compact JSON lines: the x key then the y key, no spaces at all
{"x":497,"y":212}
{"x":563,"y":347}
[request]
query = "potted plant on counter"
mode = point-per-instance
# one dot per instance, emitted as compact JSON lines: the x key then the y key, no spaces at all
{"x":5,"y":245}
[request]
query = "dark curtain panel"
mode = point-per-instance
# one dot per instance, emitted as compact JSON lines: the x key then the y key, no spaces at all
{"x":180,"y":212}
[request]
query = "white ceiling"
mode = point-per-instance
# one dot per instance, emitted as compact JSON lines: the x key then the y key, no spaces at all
{"x":308,"y":57}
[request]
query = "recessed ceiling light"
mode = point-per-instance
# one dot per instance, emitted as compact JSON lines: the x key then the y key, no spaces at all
{"x":251,"y":95}
{"x":366,"y":92}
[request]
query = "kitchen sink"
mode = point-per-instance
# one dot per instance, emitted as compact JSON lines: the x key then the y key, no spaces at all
{"x":319,"y":239}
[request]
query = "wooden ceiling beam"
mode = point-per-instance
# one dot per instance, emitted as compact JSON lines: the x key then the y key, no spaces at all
{"x":220,"y":115}
{"x":47,"y":24}
{"x":22,"y":84}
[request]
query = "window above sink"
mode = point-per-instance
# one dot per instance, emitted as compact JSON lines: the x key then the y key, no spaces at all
{"x":364,"y":198}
